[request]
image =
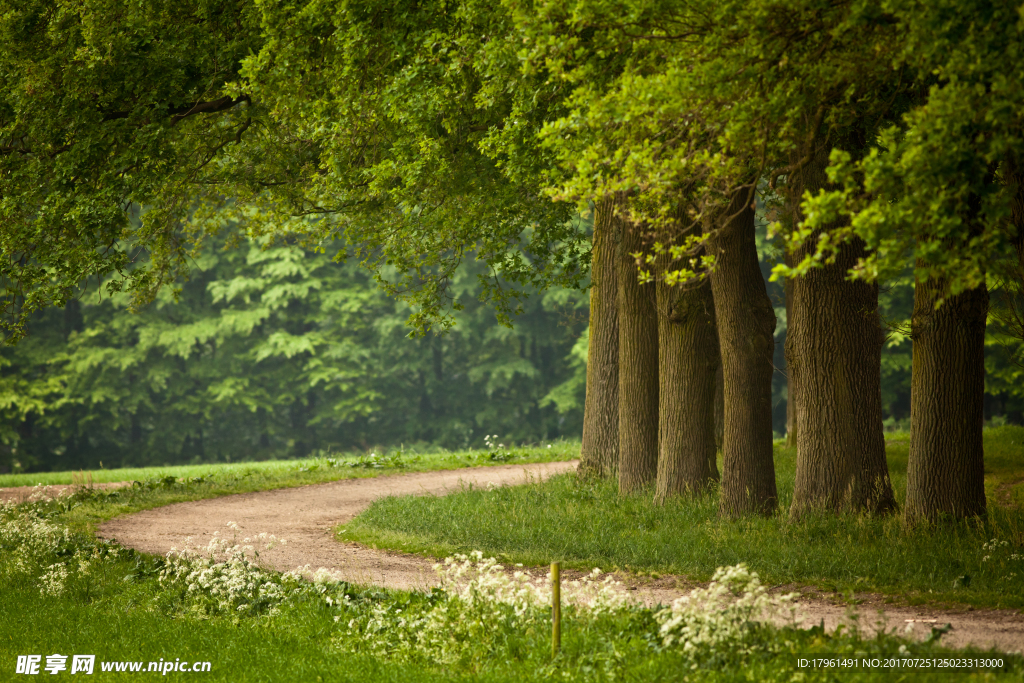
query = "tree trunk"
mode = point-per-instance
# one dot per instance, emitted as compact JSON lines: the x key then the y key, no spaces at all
{"x":834,"y":359}
{"x":791,"y":425}
{"x":719,"y":409}
{"x":687,"y":365}
{"x":599,"y":454}
{"x":746,"y":322}
{"x":945,"y":469}
{"x":638,"y":370}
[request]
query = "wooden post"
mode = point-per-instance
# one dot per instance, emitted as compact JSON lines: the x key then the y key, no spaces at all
{"x":556,"y":608}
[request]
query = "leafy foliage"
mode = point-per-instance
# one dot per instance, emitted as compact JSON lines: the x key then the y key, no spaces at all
{"x":270,"y":352}
{"x":131,"y":127}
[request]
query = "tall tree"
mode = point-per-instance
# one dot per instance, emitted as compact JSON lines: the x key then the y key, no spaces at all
{"x":688,"y":364}
{"x":599,"y":452}
{"x":792,"y":427}
{"x":746,"y":323}
{"x":638,"y":368}
{"x":945,"y":467}
{"x":833,"y":354}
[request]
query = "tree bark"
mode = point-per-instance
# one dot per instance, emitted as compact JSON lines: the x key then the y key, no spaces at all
{"x":746,"y":322}
{"x":599,"y":453}
{"x":719,"y":409}
{"x":945,"y":468}
{"x":834,"y":359}
{"x":791,"y":424}
{"x":687,"y":365}
{"x":638,"y":369}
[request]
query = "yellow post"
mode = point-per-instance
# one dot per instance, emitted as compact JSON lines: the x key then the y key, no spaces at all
{"x":556,"y":608}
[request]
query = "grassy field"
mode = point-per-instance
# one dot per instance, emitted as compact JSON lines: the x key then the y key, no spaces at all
{"x":587,"y":524}
{"x":158,"y":486}
{"x":66,"y":593}
{"x":314,"y":469}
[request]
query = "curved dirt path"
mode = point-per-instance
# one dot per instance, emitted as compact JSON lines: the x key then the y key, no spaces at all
{"x":306,"y":517}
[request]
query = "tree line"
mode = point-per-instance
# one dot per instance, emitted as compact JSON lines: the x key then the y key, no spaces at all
{"x":276,"y":352}
{"x":878,"y":137}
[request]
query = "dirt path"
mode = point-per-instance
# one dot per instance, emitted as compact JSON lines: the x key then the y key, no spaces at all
{"x":306,"y":516}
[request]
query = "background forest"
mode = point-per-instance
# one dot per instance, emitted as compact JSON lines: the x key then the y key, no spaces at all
{"x":274,"y":351}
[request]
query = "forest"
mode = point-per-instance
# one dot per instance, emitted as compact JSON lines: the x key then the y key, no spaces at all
{"x":280,"y":353}
{"x":512,"y":340}
{"x":625,"y":150}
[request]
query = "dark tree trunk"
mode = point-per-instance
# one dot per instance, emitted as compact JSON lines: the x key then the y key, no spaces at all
{"x":599,"y":455}
{"x":638,"y":369}
{"x":73,"y":319}
{"x":746,"y":323}
{"x":687,"y":365}
{"x":791,"y":425}
{"x":945,"y":468}
{"x":719,"y":409}
{"x":834,"y":359}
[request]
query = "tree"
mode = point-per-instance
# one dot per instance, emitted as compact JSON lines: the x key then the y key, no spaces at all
{"x":833,"y":353}
{"x":366,"y":122}
{"x":931,"y":188}
{"x":638,"y":368}
{"x":746,"y":322}
{"x":688,"y":370}
{"x":599,"y":450}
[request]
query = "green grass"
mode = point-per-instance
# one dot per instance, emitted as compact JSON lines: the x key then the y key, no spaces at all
{"x":587,"y":524}
{"x":159,"y":486}
{"x":119,"y":611}
{"x":302,"y":643}
{"x":287,"y":469}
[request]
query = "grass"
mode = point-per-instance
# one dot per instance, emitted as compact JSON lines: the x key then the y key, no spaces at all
{"x":288,"y":469}
{"x":119,"y":610}
{"x":586,"y":524}
{"x":302,"y":643}
{"x":159,"y":486}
